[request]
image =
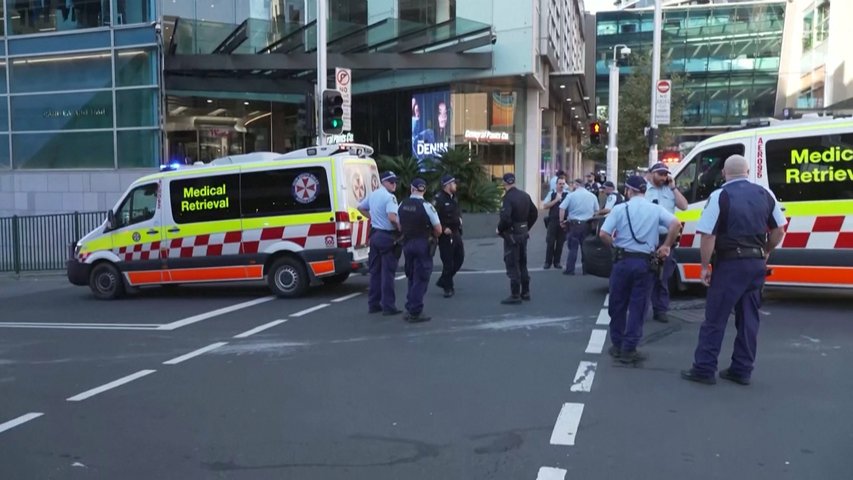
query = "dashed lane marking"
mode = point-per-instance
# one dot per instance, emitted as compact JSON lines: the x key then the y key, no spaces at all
{"x":215,"y":313}
{"x":603,"y":317}
{"x":607,"y":300}
{"x":566,"y":429}
{"x":596,"y":341}
{"x":584,"y":377}
{"x":309,"y":310}
{"x":195,"y":353}
{"x":551,"y":473}
{"x":346,"y":297}
{"x":259,"y":329}
{"x":109,"y":386}
{"x":19,"y":421}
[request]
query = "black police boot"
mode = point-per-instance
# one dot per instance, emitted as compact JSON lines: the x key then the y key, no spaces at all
{"x":732,"y":377}
{"x":511,"y":300}
{"x":632,"y":357}
{"x":614,"y":351}
{"x":692,"y":376}
{"x":448,"y":292}
{"x":416,"y":318}
{"x":525,"y":291}
{"x":661,"y":317}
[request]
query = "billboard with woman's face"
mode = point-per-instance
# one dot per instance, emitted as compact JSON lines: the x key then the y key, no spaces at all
{"x":431,"y":120}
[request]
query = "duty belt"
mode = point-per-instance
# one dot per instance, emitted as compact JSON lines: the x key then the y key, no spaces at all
{"x":738,"y":253}
{"x":622,"y":254}
{"x":519,"y":228}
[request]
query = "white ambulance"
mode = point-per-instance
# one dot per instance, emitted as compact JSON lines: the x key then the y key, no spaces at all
{"x":291,"y":219}
{"x":808,"y":164}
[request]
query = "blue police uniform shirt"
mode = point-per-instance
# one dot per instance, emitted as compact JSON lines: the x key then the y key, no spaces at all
{"x":380,"y":203}
{"x":646,"y":219}
{"x":580,"y":205}
{"x":431,"y":212}
{"x":611,"y":200}
{"x":665,"y":198}
{"x":708,"y":221}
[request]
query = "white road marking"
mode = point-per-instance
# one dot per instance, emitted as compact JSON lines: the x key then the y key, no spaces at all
{"x":195,"y":353}
{"x":399,"y":277}
{"x":83,"y":324}
{"x":18,"y":421}
{"x":566,"y":428}
{"x":214,"y":313}
{"x":109,"y":386}
{"x":603,"y":317}
{"x":346,"y":297}
{"x":309,"y":310}
{"x":77,"y":327}
{"x":259,"y":329}
{"x":596,"y":341}
{"x":584,"y":377}
{"x":489,"y":272}
{"x":551,"y":473}
{"x":607,"y":300}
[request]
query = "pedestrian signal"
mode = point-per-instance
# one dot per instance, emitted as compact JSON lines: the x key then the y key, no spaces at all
{"x":333,"y":112}
{"x":595,"y":133}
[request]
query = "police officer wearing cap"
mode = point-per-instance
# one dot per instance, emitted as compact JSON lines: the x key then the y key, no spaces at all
{"x":420,"y":226}
{"x":611,"y":199}
{"x":576,"y":211}
{"x":632,"y":229}
{"x":517,"y":217}
{"x":450,"y":246}
{"x":661,"y":190}
{"x":734,"y":232}
{"x":381,"y":207}
{"x":555,"y":236}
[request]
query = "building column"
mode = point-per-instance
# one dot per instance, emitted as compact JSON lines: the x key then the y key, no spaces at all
{"x":527,"y":166}
{"x":442,"y":11}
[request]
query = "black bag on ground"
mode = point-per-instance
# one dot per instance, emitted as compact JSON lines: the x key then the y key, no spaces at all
{"x":597,"y":257}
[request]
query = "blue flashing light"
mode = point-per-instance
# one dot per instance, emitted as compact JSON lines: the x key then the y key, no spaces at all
{"x":170,"y":167}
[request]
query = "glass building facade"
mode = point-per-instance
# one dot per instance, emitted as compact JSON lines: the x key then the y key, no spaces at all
{"x":727,"y":54}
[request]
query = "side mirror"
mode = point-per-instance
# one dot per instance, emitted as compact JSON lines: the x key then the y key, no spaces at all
{"x":111,"y":220}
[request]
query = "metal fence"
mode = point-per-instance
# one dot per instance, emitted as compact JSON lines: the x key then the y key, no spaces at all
{"x":41,"y":242}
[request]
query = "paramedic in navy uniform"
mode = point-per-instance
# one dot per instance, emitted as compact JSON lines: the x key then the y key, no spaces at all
{"x":632,"y":229}
{"x":741,"y":224}
{"x":381,"y":207}
{"x":419,"y":224}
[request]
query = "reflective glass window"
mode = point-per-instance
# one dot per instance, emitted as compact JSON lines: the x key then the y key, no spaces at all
{"x":134,"y":11}
{"x":61,"y":72}
{"x":4,"y":151}
{"x":811,"y":168}
{"x":4,"y":114}
{"x":38,"y":16}
{"x":63,"y":150}
{"x":138,"y":148}
{"x":62,"y":111}
{"x":205,"y":199}
{"x":135,"y":67}
{"x":138,"y":107}
{"x":277,"y":192}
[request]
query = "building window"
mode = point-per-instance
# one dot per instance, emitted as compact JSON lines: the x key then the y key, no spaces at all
{"x":128,"y":12}
{"x":138,"y":207}
{"x":26,"y":17}
{"x":348,"y":11}
{"x":62,"y":111}
{"x":815,"y":26}
{"x":138,"y":148}
{"x":63,"y":150}
{"x":55,"y":73}
{"x":138,"y":107}
{"x":428,"y":12}
{"x":135,"y":67}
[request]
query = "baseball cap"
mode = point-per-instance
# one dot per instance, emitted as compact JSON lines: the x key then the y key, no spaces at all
{"x":509,"y":178}
{"x":659,"y":167}
{"x":637,"y":183}
{"x":447,"y":179}
{"x":419,"y":184}
{"x":609,"y":184}
{"x":388,"y":176}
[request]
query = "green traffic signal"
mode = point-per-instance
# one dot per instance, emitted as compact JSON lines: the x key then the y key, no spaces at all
{"x":333,"y":122}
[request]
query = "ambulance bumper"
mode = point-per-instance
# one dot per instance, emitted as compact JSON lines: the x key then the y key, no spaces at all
{"x":78,"y":273}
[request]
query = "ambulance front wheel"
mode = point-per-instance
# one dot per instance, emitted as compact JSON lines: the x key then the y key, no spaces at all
{"x":105,"y":281}
{"x":287,"y":277}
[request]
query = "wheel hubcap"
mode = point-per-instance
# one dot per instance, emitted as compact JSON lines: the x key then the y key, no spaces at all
{"x":105,"y":282}
{"x":286,"y":279}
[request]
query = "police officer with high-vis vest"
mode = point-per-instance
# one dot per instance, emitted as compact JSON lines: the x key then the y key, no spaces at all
{"x":450,"y":245}
{"x":420,"y":226}
{"x":381,"y":207}
{"x":632,"y":229}
{"x":741,"y":224}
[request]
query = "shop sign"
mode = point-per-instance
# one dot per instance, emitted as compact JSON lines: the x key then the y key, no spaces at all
{"x":68,"y":113}
{"x":486,"y":136}
{"x":347,"y":137}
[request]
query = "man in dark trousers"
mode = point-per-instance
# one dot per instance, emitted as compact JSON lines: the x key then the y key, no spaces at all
{"x":734,"y":227}
{"x":555,"y":235}
{"x":420,"y":226}
{"x":450,"y":246}
{"x":518,"y":215}
{"x":381,"y":207}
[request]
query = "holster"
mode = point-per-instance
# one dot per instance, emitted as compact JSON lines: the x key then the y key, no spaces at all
{"x":433,"y":245}
{"x":398,"y":246}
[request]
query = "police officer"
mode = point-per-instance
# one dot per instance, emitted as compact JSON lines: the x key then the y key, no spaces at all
{"x":661,"y":190}
{"x":634,"y":225}
{"x":734,"y":228}
{"x":518,"y":215}
{"x":576,"y":210}
{"x":611,"y":198}
{"x":381,"y":207}
{"x":591,"y":185}
{"x":450,"y":246}
{"x":555,"y":235}
{"x":420,"y":226}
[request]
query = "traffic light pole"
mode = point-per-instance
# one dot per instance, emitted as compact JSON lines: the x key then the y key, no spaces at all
{"x":321,"y":70}
{"x":613,"y":119}
{"x":656,"y":41}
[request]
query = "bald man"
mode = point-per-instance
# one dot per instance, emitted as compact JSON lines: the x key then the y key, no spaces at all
{"x":741,"y":225}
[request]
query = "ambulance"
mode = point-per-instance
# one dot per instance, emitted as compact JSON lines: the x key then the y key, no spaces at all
{"x":808,"y":164}
{"x":290,"y":219}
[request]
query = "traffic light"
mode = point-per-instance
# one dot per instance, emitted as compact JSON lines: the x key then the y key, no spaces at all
{"x":333,"y":112}
{"x":305,"y":126}
{"x":595,"y":133}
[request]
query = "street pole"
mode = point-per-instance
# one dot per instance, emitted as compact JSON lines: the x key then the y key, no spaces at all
{"x":613,"y":119}
{"x":321,"y":69}
{"x":656,"y":47}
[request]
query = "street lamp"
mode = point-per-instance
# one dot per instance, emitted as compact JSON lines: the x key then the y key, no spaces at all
{"x":613,"y":113}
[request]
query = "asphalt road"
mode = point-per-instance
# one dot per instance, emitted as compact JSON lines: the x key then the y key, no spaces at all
{"x":156,"y":386}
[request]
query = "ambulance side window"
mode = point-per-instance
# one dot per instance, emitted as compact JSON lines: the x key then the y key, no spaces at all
{"x":704,"y":174}
{"x":288,"y":191}
{"x":139,"y":206}
{"x":812,"y":168}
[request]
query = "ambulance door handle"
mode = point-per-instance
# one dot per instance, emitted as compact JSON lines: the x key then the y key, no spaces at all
{"x":153,"y":232}
{"x":174,"y":230}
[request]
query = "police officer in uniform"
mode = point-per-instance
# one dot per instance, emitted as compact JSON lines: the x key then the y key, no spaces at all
{"x":734,"y":228}
{"x":518,"y":215}
{"x":555,"y":236}
{"x":611,"y":198}
{"x":661,"y":190}
{"x":450,"y":246}
{"x":420,"y":226}
{"x":381,"y":207}
{"x":634,"y":225}
{"x":576,"y":211}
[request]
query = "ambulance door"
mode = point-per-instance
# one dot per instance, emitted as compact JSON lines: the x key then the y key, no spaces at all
{"x":136,"y":234}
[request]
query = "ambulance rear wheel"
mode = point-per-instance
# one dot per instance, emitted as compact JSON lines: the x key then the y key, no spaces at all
{"x":287,"y":278}
{"x":106,"y":282}
{"x":336,"y":279}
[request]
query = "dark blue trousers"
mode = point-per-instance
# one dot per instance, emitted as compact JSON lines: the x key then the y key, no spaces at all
{"x":574,"y":238}
{"x":735,"y":285}
{"x":382,"y":265}
{"x":660,"y":291}
{"x":418,"y":270}
{"x":630,"y":283}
